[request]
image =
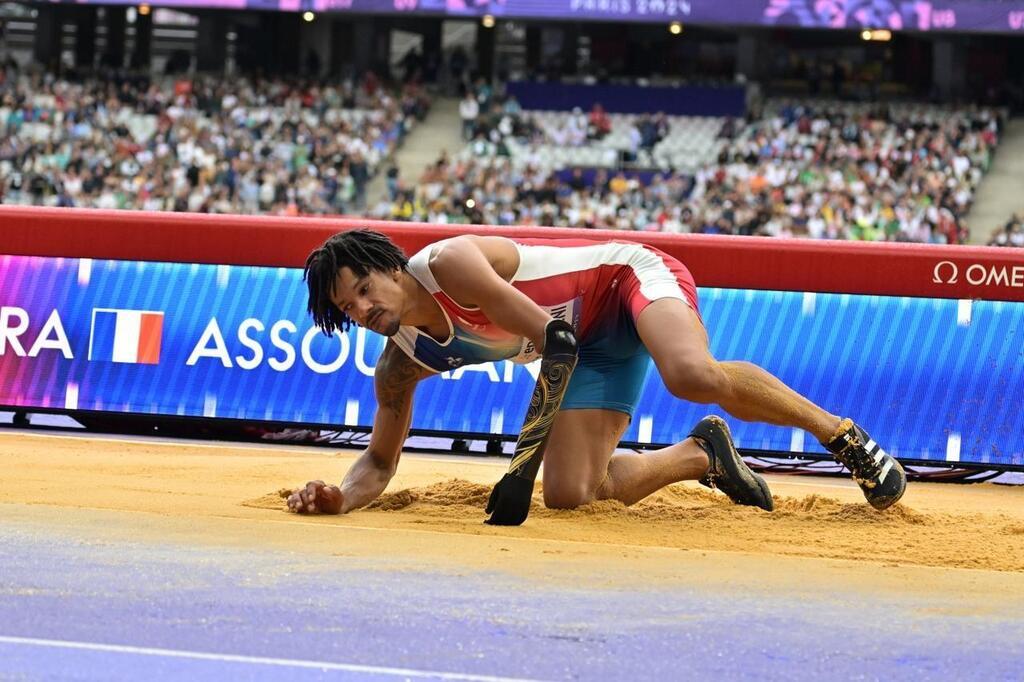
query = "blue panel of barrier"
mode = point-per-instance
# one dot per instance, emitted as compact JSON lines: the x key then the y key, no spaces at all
{"x":932,"y":379}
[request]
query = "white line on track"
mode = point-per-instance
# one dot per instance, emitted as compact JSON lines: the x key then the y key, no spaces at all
{"x":252,"y":660}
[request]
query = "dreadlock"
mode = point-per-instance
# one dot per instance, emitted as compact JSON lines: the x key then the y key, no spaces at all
{"x":361,"y":251}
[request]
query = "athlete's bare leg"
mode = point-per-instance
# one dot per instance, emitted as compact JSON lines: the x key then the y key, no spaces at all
{"x":678,"y":343}
{"x":579,"y":465}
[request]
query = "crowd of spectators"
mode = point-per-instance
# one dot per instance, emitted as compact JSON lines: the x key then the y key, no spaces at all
{"x":202,"y":144}
{"x":895,"y":174}
{"x":494,"y":191}
{"x":825,"y":170}
{"x":1009,"y":234}
{"x":489,"y":119}
{"x":828,"y":171}
{"x":482,"y":184}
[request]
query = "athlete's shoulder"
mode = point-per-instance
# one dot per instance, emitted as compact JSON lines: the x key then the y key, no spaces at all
{"x":471,"y":253}
{"x":469,"y":242}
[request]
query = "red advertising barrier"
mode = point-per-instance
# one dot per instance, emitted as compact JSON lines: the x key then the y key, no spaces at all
{"x":962,"y":272}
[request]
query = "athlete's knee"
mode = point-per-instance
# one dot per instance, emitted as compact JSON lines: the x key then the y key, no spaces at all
{"x":568,"y":495}
{"x":696,"y":378}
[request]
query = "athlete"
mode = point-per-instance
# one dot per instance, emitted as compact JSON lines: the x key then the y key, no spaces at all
{"x":595,"y":313}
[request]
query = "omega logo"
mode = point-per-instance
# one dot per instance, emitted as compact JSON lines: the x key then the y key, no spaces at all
{"x":978,"y":274}
{"x":953,"y":272}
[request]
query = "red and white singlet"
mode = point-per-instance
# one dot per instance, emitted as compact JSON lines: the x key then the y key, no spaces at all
{"x":587,"y":283}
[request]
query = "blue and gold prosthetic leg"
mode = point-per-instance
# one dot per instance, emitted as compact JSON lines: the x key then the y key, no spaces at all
{"x":509,"y":503}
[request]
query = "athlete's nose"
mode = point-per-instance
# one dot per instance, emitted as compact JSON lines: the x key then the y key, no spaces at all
{"x":363,"y":309}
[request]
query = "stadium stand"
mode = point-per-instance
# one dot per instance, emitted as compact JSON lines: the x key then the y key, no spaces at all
{"x":805,"y":168}
{"x":260,"y":146}
{"x":655,"y":153}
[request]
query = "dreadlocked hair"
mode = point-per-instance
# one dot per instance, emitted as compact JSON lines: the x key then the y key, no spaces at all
{"x":359,"y":250}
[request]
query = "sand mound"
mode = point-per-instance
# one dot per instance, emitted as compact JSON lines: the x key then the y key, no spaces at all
{"x":454,"y":492}
{"x":821,"y":508}
{"x":690,"y":517}
{"x":454,"y":495}
{"x":275,"y":500}
{"x":395,"y":501}
{"x":813,"y":503}
{"x":687,"y":496}
{"x":605,"y":508}
{"x":674,"y":503}
{"x":864,"y":513}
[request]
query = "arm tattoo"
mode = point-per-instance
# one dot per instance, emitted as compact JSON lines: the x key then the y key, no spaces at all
{"x":396,"y":377}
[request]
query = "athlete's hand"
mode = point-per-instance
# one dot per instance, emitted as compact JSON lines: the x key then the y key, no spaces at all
{"x":316,"y":497}
{"x":509,"y":501}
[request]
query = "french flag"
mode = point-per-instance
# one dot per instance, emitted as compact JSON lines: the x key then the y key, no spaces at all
{"x":131,"y":336}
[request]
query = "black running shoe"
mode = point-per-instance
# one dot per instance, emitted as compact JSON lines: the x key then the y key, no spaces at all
{"x":727,"y":471}
{"x":877,"y":473}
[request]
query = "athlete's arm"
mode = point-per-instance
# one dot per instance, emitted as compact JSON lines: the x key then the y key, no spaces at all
{"x":466,"y":274}
{"x":395,"y":381}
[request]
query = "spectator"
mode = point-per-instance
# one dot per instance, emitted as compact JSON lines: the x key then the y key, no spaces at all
{"x":1010,"y":234}
{"x":599,"y":123}
{"x":469,"y":110}
{"x":392,"y":183}
{"x":512,"y":107}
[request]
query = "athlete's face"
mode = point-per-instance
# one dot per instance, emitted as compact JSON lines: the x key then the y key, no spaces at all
{"x":374,"y":301}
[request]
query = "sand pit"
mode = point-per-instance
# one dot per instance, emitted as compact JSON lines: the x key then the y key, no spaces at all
{"x":937,"y":525}
{"x":687,"y":517}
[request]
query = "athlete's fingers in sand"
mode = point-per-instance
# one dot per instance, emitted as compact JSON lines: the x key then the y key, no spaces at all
{"x":296,"y":501}
{"x":311,"y":490}
{"x":303,"y":500}
{"x":299,"y":500}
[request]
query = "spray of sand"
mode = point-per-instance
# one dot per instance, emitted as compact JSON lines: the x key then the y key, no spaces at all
{"x":690,"y":517}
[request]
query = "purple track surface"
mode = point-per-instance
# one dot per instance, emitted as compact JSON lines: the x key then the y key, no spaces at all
{"x":321,"y":617}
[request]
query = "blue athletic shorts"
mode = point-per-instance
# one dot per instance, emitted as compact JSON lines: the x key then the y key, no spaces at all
{"x":613,"y":362}
{"x":611,"y":370}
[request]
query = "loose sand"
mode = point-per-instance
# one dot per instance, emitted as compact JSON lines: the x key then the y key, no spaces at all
{"x":687,"y":517}
{"x":433,"y":511}
{"x":970,"y":526}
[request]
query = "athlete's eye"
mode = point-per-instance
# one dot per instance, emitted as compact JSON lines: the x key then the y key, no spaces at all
{"x":366,"y":288}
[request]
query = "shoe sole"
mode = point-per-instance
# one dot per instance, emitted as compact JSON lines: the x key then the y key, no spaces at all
{"x":860,"y":438}
{"x":763,"y":485}
{"x":705,"y":429}
{"x":890,"y":502}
